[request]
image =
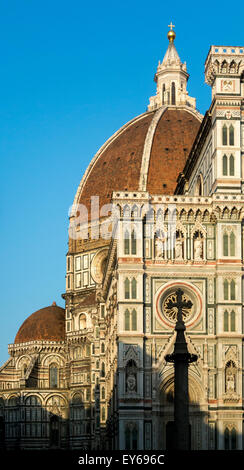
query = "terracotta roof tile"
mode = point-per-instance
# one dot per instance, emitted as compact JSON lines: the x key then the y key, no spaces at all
{"x":45,"y":324}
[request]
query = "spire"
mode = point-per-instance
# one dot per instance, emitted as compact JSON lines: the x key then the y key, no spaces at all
{"x":171,"y":79}
{"x":171,"y":57}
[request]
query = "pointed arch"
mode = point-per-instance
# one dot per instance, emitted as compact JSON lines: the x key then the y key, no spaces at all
{"x":226,"y":289}
{"x":226,"y":320}
{"x":53,"y":375}
{"x":232,"y":290}
{"x":173,"y":93}
{"x":224,"y":67}
{"x":225,"y":244}
{"x":133,"y":288}
{"x":126,"y":211}
{"x":231,"y":165}
{"x":225,"y":165}
{"x":133,"y":242}
{"x":232,"y":244}
{"x":126,"y":242}
{"x":226,"y":213}
{"x":233,"y":67}
{"x":224,"y":135}
{"x":134,"y":319}
{"x":232,"y":321}
{"x":127,"y":320}
{"x":127,"y":288}
{"x":231,"y":135}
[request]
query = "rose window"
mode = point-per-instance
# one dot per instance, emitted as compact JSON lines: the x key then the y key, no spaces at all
{"x":170,"y":311}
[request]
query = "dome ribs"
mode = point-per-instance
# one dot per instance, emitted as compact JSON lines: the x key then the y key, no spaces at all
{"x":175,"y":132}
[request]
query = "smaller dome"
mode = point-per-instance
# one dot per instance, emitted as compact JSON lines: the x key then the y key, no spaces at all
{"x":46,"y":324}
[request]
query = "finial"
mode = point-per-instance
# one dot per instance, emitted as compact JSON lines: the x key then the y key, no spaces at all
{"x":171,"y":34}
{"x":54,"y":304}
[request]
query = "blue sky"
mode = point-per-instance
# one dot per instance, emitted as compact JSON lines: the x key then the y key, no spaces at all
{"x":71,"y":74}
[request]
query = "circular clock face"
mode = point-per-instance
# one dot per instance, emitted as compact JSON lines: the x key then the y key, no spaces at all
{"x":166,"y":308}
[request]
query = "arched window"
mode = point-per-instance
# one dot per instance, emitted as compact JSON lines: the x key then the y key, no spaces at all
{"x":126,"y":243}
{"x":133,"y":288}
{"x":225,"y":165}
{"x":232,"y":290}
{"x":224,"y":135}
{"x":77,"y":353}
{"x":127,"y":320}
{"x":226,"y":290}
{"x":130,"y":320}
{"x":126,"y":212}
{"x":232,"y":244}
{"x":102,"y":348}
{"x":229,"y":244}
{"x":163,"y":92}
{"x":231,"y":135}
{"x":82,"y":321}
{"x":103,"y":393}
{"x":173,"y":93}
{"x":103,"y":413}
{"x":134,"y":320}
{"x":33,"y":416}
{"x":103,"y":370}
{"x":133,"y":243}
{"x":77,"y":412}
{"x":226,"y":321}
{"x":232,"y":321}
{"x":231,"y":165}
{"x":127,"y":288}
{"x":53,"y":376}
{"x":225,"y":244}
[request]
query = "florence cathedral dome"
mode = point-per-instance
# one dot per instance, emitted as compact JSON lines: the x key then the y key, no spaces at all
{"x":149,"y":152}
{"x":46,"y":324}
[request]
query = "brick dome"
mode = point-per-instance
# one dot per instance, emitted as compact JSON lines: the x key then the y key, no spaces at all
{"x":47,"y":324}
{"x":148,"y":153}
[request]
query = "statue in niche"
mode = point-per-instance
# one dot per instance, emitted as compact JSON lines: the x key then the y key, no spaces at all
{"x":131,"y":377}
{"x":230,"y":378}
{"x":198,"y":248}
{"x":230,"y":386}
{"x":160,"y":244}
{"x":178,"y":247}
{"x":131,"y":383}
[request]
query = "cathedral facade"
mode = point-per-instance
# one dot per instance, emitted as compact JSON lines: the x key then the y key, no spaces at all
{"x":160,"y":206}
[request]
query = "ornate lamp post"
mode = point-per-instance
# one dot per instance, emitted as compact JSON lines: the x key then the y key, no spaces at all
{"x":181,"y":358}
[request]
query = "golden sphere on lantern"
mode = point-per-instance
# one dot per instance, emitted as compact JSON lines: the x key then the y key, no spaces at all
{"x":171,"y":36}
